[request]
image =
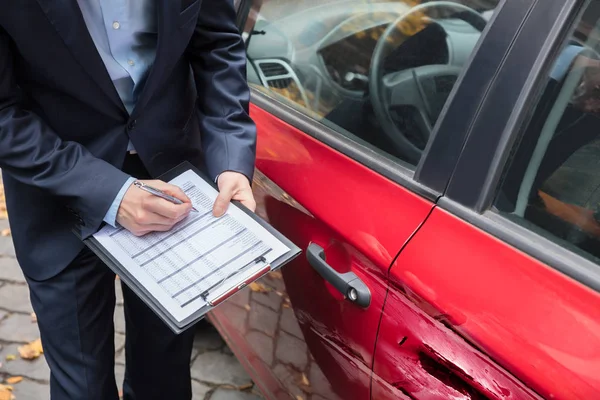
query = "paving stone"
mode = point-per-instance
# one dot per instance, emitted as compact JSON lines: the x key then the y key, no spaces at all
{"x":6,"y":246}
{"x":226,"y":350}
{"x":10,"y":270}
{"x":241,"y":298}
{"x":236,"y":315}
{"x":224,"y":394}
{"x":120,"y":357}
{"x":218,"y":368}
{"x":269,"y":299}
{"x":119,"y":376}
{"x":29,"y":390}
{"x":199,"y":390}
{"x":290,"y":380}
{"x":262,"y":345}
{"x":119,"y":319}
{"x":207,"y":338}
{"x":291,"y":350}
{"x":289,"y":323}
{"x":119,"y":341}
{"x":36,"y":369}
{"x":18,"y":328}
{"x":15,"y":298}
{"x":263,"y":319}
{"x":119,"y":292}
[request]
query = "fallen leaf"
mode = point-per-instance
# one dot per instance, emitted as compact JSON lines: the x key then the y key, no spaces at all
{"x":279,"y":293}
{"x":257,"y":287}
{"x":298,"y":397}
{"x":6,"y":392}
{"x":31,"y":350}
{"x":33,"y":317}
{"x":14,"y":379}
{"x":5,"y":232}
{"x":305,"y":380}
{"x":11,"y":357}
{"x":246,"y":386}
{"x":247,"y":307}
{"x":286,"y":305}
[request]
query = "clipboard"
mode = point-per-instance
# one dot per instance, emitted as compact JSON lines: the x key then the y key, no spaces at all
{"x":216,"y":294}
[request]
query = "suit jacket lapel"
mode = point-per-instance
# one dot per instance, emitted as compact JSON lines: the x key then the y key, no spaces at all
{"x":167,"y":12}
{"x":68,"y":21}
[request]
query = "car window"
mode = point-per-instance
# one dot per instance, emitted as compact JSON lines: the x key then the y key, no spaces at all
{"x":378,"y":72}
{"x":552,"y":183}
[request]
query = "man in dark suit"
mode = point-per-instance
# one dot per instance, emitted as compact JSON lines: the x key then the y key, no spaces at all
{"x":93,"y":95}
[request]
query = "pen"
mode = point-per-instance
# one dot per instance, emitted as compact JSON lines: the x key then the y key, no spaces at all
{"x":159,"y":193}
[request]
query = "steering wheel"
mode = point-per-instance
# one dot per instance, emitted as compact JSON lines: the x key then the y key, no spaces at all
{"x":406,"y":87}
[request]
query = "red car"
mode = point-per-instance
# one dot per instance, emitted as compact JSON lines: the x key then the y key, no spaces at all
{"x":439,"y":164}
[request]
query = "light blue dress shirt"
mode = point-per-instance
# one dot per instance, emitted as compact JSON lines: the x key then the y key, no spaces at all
{"x":125,"y":34}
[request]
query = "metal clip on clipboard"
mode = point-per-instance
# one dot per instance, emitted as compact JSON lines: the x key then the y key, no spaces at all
{"x":219,"y":292}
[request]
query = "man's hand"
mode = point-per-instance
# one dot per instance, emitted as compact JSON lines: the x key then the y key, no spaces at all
{"x":233,"y":186}
{"x":141,"y":213}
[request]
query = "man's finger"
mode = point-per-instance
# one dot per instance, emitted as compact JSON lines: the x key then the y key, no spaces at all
{"x":222,"y":202}
{"x":171,"y":190}
{"x":167,"y":209}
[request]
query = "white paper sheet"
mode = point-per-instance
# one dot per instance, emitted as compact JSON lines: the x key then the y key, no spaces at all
{"x":202,"y":251}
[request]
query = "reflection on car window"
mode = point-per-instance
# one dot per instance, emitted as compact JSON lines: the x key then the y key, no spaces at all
{"x":378,"y":72}
{"x":552,"y":183}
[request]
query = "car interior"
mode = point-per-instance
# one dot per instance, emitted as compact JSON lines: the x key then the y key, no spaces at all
{"x":379,"y":72}
{"x":554,"y":177}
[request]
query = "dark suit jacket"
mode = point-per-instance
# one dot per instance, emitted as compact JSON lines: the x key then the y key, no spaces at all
{"x":64,"y":130}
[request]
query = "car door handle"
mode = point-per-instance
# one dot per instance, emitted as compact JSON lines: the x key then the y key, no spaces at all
{"x":347,"y":283}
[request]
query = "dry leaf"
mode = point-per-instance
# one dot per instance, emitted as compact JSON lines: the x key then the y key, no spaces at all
{"x":14,"y":379}
{"x":298,"y":397}
{"x":33,"y":317}
{"x":276,"y":275}
{"x":246,"y":386}
{"x":305,"y":380}
{"x":6,"y":392}
{"x":5,"y":232}
{"x":257,"y":287}
{"x":31,"y":350}
{"x":247,"y":307}
{"x":286,"y":305}
{"x":279,"y":293}
{"x":11,"y":357}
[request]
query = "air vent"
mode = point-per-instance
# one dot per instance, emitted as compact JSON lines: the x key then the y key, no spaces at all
{"x":280,"y":83}
{"x":278,"y":74}
{"x":273,"y":69}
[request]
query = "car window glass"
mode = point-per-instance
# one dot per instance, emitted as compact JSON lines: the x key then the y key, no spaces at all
{"x":552,"y":183}
{"x":378,"y":72}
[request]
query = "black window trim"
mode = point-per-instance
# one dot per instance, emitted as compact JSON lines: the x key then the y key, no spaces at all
{"x":478,"y":209}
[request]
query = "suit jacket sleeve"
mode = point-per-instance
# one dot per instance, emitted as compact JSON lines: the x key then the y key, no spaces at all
{"x":218,"y":57}
{"x":32,"y":153}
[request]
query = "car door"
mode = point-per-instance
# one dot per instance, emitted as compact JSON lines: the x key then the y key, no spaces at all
{"x":332,"y":178}
{"x":515,"y":271}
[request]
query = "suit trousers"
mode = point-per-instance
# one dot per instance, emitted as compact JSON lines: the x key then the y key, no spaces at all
{"x":75,"y":315}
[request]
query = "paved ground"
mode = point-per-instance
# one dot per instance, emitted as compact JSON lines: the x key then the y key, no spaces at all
{"x":217,"y":375}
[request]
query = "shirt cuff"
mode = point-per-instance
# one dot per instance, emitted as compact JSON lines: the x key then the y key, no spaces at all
{"x":111,"y":215}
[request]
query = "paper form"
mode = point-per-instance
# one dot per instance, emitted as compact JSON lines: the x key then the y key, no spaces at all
{"x":200,"y":252}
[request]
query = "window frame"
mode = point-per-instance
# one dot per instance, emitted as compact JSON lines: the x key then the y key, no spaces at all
{"x":494,"y":135}
{"x":431,"y":176}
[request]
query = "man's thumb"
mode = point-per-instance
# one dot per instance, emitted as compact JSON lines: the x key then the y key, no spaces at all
{"x":221,"y":204}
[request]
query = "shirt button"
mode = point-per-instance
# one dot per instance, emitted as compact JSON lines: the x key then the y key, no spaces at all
{"x":116,"y":25}
{"x":130,"y":62}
